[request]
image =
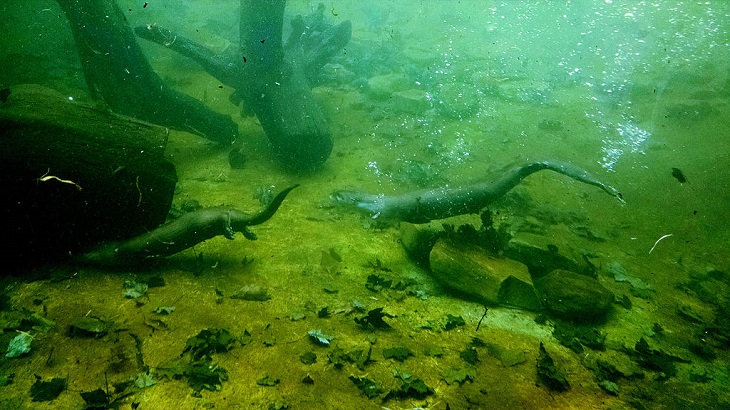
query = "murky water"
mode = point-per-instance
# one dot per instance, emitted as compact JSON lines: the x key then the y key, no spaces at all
{"x":425,"y":94}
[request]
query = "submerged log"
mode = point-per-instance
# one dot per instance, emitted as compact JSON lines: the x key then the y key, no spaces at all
{"x":119,"y":75}
{"x":278,"y":91}
{"x":73,"y":176}
{"x":273,"y":81}
{"x":470,"y":271}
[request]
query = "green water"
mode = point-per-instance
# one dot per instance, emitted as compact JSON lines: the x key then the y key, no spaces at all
{"x":426,"y":94}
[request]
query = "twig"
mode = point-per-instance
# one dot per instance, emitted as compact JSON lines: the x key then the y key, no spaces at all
{"x":45,"y":177}
{"x":486,"y":309}
{"x":139,"y":191}
{"x":657,"y":242}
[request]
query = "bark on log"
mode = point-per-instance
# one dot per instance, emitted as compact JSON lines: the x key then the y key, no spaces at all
{"x":470,"y":271}
{"x":119,"y":75}
{"x":313,"y":41}
{"x":278,"y":91}
{"x":272,"y":81}
{"x":73,"y":175}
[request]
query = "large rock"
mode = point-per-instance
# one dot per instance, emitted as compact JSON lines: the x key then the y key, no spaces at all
{"x":574,"y":296}
{"x":471,"y":271}
{"x":543,"y":258}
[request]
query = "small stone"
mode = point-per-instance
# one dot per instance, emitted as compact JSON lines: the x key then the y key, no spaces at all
{"x":412,"y":101}
{"x":382,"y":86}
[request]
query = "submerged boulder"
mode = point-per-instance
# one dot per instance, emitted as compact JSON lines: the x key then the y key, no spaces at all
{"x":574,"y":296}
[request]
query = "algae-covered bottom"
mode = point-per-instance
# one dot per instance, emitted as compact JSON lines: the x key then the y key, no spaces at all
{"x":327,"y":310}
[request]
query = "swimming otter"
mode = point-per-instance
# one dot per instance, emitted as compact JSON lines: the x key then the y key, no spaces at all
{"x":429,"y":204}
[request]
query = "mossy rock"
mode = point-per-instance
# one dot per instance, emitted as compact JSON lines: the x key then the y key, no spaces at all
{"x":574,"y":296}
